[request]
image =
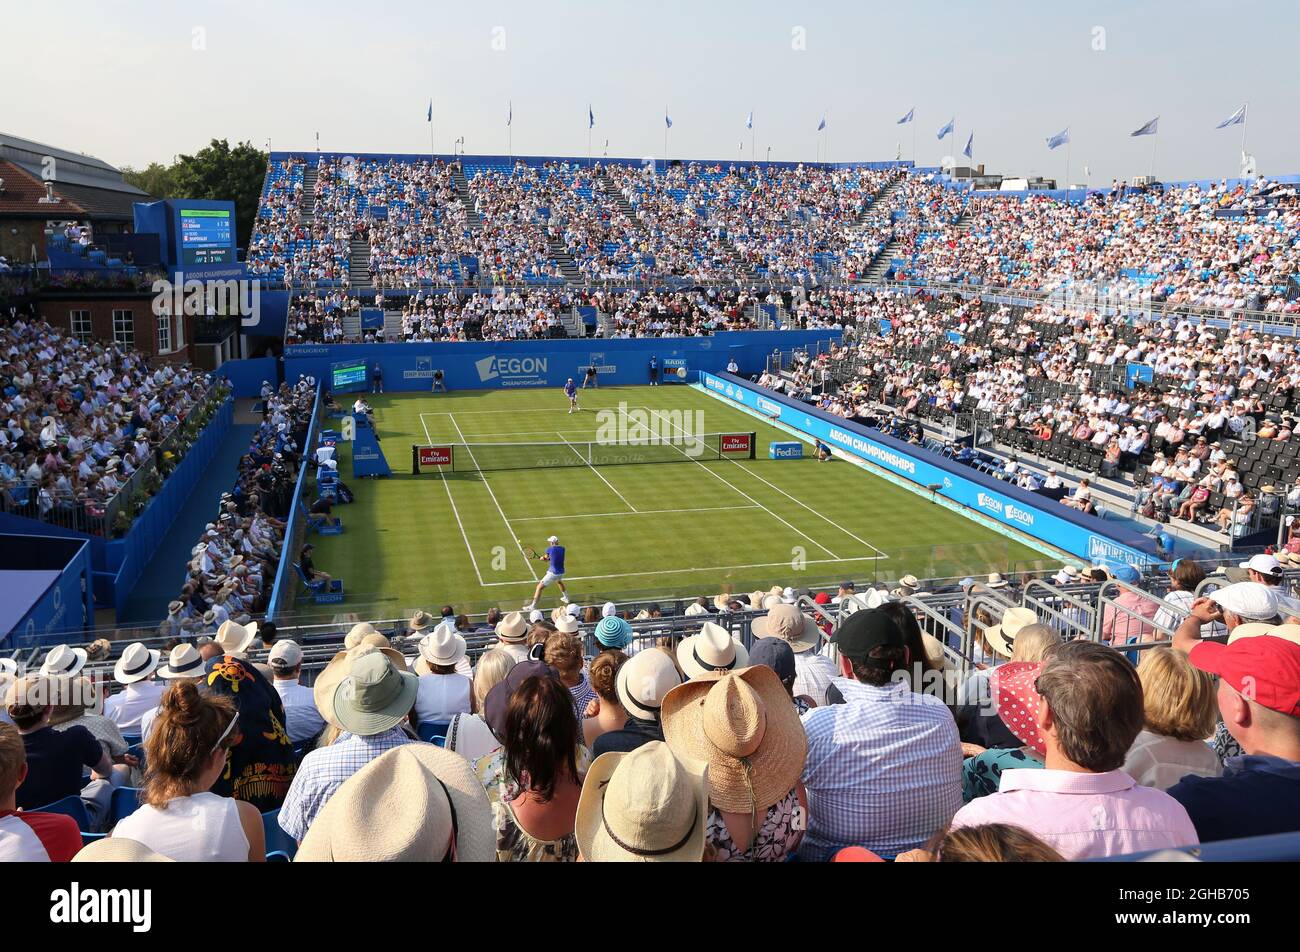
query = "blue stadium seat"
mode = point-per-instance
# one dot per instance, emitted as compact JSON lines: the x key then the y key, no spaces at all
{"x":276,"y":839}
{"x":126,"y":800}
{"x":433,"y":729}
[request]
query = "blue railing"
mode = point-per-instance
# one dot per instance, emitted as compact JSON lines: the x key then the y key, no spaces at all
{"x":285,"y":587}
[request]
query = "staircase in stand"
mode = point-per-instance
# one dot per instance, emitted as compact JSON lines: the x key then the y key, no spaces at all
{"x":359,"y":263}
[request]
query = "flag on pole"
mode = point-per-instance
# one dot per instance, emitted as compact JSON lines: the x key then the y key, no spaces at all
{"x":1147,"y":130}
{"x":1236,"y":119}
{"x":1060,"y":139}
{"x":749,"y":121}
{"x":970,"y":145}
{"x":821,"y":125}
{"x":591,"y":118}
{"x":947,"y":128}
{"x":510,"y":113}
{"x":430,"y":118}
{"x":668,"y":123}
{"x":911,"y":114}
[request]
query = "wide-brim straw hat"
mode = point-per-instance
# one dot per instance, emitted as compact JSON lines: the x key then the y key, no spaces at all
{"x":420,"y":621}
{"x":405,"y":806}
{"x":118,"y":849}
{"x":65,"y":660}
{"x":185,"y":661}
{"x":995,"y":580}
{"x":569,"y":625}
{"x":444,"y":646}
{"x":1001,"y":637}
{"x":744,"y":727}
{"x":136,"y":664}
{"x":643,"y":806}
{"x":328,"y":680}
{"x":356,"y":633}
{"x":713,"y":649}
{"x":789,"y":624}
{"x":643,"y":682}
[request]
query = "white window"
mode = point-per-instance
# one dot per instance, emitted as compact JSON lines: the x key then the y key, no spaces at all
{"x":164,"y":333}
{"x":81,"y":325}
{"x":124,"y":328}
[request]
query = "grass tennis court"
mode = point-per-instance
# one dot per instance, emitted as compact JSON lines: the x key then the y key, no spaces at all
{"x":693,"y":526}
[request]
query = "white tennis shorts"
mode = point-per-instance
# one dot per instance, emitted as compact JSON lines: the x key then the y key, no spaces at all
{"x":550,"y":577}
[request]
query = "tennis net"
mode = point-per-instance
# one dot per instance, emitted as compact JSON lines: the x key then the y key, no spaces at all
{"x":483,"y":457}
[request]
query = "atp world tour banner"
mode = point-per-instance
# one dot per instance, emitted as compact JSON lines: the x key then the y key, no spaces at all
{"x":1086,"y":537}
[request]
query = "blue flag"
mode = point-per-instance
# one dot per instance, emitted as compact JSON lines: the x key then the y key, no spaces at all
{"x":821,"y":125}
{"x":749,"y":122}
{"x":1149,"y":129}
{"x":970,"y":146}
{"x":591,"y":118}
{"x":430,"y":119}
{"x":1236,"y":119}
{"x":668,"y":123}
{"x":1060,"y":139}
{"x":911,"y":114}
{"x":948,"y":127}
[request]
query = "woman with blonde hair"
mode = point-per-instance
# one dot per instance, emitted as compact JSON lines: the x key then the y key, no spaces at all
{"x":604,"y":681}
{"x":186,"y":752}
{"x":1181,"y":710}
{"x":468,"y":734}
{"x":987,"y":843}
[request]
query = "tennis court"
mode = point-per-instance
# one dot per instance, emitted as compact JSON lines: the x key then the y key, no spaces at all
{"x":697,"y":520}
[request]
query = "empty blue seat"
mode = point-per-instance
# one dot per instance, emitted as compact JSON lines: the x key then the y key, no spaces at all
{"x":276,"y":839}
{"x":433,"y":729}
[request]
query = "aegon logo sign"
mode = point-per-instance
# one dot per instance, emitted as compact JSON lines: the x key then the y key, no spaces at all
{"x":490,"y":368}
{"x":985,"y":501}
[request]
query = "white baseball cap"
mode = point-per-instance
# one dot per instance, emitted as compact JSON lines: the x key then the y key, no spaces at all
{"x":1250,"y":600}
{"x":553,"y":539}
{"x":1264,"y":564}
{"x":608,"y":609}
{"x":284,"y":655}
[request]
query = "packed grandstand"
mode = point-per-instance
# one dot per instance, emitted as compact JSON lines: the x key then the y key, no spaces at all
{"x":1058,"y":715}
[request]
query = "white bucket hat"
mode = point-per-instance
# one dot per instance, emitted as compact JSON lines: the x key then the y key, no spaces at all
{"x":713,"y":649}
{"x":136,"y":664}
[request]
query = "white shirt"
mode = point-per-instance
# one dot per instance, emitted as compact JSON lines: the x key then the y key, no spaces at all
{"x":813,"y":674}
{"x":470,"y":737}
{"x":440,"y":696}
{"x":127,"y":708}
{"x":1158,"y":761}
{"x":302,"y":720}
{"x":203,"y":828}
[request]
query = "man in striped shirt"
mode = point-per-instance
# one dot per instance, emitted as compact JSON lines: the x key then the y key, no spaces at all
{"x":883,"y":768}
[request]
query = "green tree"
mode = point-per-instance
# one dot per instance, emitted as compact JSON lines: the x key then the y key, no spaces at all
{"x":216,"y":173}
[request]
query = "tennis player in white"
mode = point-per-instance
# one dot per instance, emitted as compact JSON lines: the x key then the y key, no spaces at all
{"x":554,"y":557}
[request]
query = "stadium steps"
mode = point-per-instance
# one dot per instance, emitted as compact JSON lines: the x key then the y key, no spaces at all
{"x":885,"y":200}
{"x":359,"y":264}
{"x":307,"y":203}
{"x":352,"y":325}
{"x":619,"y":198}
{"x":743,"y":271}
{"x":568,"y":267}
{"x":466,"y":197}
{"x":572,"y":323}
{"x":393,"y":325}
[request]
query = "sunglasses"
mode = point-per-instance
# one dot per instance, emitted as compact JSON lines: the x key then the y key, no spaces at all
{"x":224,"y":734}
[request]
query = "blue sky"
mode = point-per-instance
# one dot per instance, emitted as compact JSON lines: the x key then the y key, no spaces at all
{"x":125,"y":80}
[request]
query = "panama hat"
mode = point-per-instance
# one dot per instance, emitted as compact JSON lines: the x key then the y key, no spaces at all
{"x":174,"y":608}
{"x":63,"y":660}
{"x":722,"y":602}
{"x":789,"y":624}
{"x":776,"y":590}
{"x":644,"y":680}
{"x":1002,"y":636}
{"x":744,"y":727}
{"x":713,"y":649}
{"x":235,"y":638}
{"x":1256,"y":629}
{"x":695,"y":609}
{"x":209,"y":617}
{"x":644,"y":806}
{"x":934,"y":650}
{"x":512,"y":628}
{"x":136,"y":664}
{"x":376,"y":695}
{"x":613,"y":632}
{"x":560,"y":611}
{"x":420,"y":621}
{"x":410,"y":804}
{"x":444,"y":646}
{"x":357,"y":632}
{"x":995,"y":580}
{"x":756,"y":600}
{"x":336,"y":670}
{"x":569,"y":625}
{"x":8,"y":666}
{"x":118,"y":849}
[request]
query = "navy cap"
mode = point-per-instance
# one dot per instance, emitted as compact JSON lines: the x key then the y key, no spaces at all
{"x":497,"y":702}
{"x":864,"y":630}
{"x":777,"y":654}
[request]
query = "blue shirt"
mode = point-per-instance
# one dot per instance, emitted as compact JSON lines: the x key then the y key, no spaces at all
{"x":570,"y":388}
{"x":556,"y":556}
{"x":1256,"y":796}
{"x":654,"y":363}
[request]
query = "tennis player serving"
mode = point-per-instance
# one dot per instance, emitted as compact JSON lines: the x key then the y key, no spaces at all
{"x":571,"y":391}
{"x":554,"y":557}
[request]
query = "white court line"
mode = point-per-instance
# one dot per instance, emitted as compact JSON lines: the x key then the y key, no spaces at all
{"x":598,"y":474}
{"x":509,"y":528}
{"x":638,"y":512}
{"x":737,"y":489}
{"x":445,"y":485}
{"x":707,"y":568}
{"x":746,"y":469}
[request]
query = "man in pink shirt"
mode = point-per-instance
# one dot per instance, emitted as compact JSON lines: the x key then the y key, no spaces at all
{"x":1081,"y":803}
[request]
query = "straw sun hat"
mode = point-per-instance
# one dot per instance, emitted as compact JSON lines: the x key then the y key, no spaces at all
{"x":744,"y":727}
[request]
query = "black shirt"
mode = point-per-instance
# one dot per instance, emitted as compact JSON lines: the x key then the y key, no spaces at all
{"x":56,"y":762}
{"x":635,"y":733}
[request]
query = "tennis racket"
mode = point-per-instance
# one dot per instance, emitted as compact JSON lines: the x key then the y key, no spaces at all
{"x":528,"y":550}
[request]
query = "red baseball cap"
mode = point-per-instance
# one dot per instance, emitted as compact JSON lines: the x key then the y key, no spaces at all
{"x":822,"y":598}
{"x":1264,"y":669}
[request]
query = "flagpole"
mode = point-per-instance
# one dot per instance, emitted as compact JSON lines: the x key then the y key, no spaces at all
{"x":1245,"y":119}
{"x":1151,"y":170}
{"x":1068,"y":144}
{"x":432,"y":150}
{"x":913,"y":138}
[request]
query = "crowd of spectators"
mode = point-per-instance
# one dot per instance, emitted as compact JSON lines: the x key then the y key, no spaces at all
{"x":79,"y":419}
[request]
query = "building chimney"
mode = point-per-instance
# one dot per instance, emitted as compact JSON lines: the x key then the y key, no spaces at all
{"x":50,"y":198}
